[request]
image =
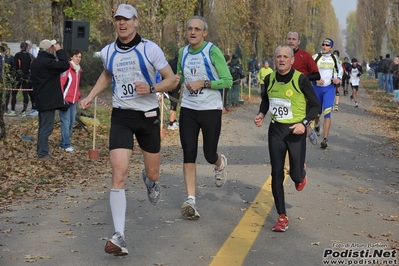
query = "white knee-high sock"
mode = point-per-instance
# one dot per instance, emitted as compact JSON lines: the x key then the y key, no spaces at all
{"x":117,"y":200}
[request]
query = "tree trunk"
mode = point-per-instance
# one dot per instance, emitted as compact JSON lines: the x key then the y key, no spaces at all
{"x":2,"y":92}
{"x":199,"y":10}
{"x":58,"y":22}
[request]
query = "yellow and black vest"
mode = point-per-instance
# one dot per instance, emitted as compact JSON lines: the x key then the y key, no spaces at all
{"x":287,"y":103}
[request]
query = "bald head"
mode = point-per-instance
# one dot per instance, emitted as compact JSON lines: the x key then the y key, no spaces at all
{"x":293,"y":40}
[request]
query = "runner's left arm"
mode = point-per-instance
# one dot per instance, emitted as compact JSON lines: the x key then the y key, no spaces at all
{"x":225,"y":79}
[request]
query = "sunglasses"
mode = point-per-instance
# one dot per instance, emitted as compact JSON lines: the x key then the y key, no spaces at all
{"x":324,"y":44}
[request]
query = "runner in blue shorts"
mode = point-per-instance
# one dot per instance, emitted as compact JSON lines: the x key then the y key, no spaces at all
{"x":331,"y":74}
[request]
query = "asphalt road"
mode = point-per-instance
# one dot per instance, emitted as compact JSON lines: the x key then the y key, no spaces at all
{"x":348,"y":209}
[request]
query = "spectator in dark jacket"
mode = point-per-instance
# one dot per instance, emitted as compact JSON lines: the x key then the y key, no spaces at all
{"x":46,"y":69}
{"x":386,"y":73}
{"x":22,"y":64}
{"x":379,"y":73}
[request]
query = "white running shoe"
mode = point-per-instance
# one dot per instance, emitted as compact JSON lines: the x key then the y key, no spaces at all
{"x":69,"y":149}
{"x":154,"y":192}
{"x":189,"y":209}
{"x":11,"y":113}
{"x":116,"y":245}
{"x":221,"y":174}
{"x":33,"y":112}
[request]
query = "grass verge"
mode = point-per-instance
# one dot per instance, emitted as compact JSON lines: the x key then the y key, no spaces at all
{"x":386,"y":111}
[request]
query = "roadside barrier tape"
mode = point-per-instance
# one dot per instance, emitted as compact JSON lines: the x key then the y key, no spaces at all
{"x":104,"y":104}
{"x":9,"y":89}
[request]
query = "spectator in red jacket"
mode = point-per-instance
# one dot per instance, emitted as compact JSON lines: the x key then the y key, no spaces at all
{"x":70,"y":82}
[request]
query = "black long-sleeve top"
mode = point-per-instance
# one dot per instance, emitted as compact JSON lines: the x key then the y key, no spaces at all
{"x":312,"y":103}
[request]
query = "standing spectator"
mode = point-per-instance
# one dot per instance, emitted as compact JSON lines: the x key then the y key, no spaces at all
{"x":289,"y":90}
{"x":355,"y":71}
{"x":395,"y":76}
{"x":33,"y":53}
{"x":331,"y":74}
{"x":175,"y":93}
{"x":380,"y":76}
{"x":130,"y":66}
{"x":372,"y":66}
{"x":30,"y":48}
{"x":375,"y":66}
{"x":263,"y":72}
{"x":70,"y":83}
{"x":237,"y":73}
{"x":204,"y":71}
{"x":363,"y":64}
{"x":386,"y":73}
{"x":305,"y":64}
{"x":46,"y":70}
{"x":253,"y":68}
{"x":22,"y":64}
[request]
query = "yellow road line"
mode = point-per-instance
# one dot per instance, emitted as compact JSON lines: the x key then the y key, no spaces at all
{"x":238,"y":244}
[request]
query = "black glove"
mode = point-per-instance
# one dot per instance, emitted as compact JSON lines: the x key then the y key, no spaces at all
{"x":358,"y":74}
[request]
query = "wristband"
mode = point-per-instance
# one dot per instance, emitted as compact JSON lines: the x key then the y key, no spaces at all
{"x":207,"y":84}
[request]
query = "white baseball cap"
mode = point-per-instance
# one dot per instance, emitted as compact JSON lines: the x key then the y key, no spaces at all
{"x":46,"y":44}
{"x":126,"y":11}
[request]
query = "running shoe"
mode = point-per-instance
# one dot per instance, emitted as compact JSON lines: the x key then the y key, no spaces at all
{"x":313,"y":137}
{"x":301,"y":185}
{"x":11,"y":113}
{"x":317,"y":130}
{"x":282,"y":223}
{"x":154,"y":192}
{"x":221,"y":174}
{"x":69,"y":149}
{"x":356,"y":105}
{"x":189,"y":209}
{"x":116,"y":245}
{"x":23,"y":113}
{"x":336,"y":108}
{"x":323,"y":144}
{"x":33,"y":112}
